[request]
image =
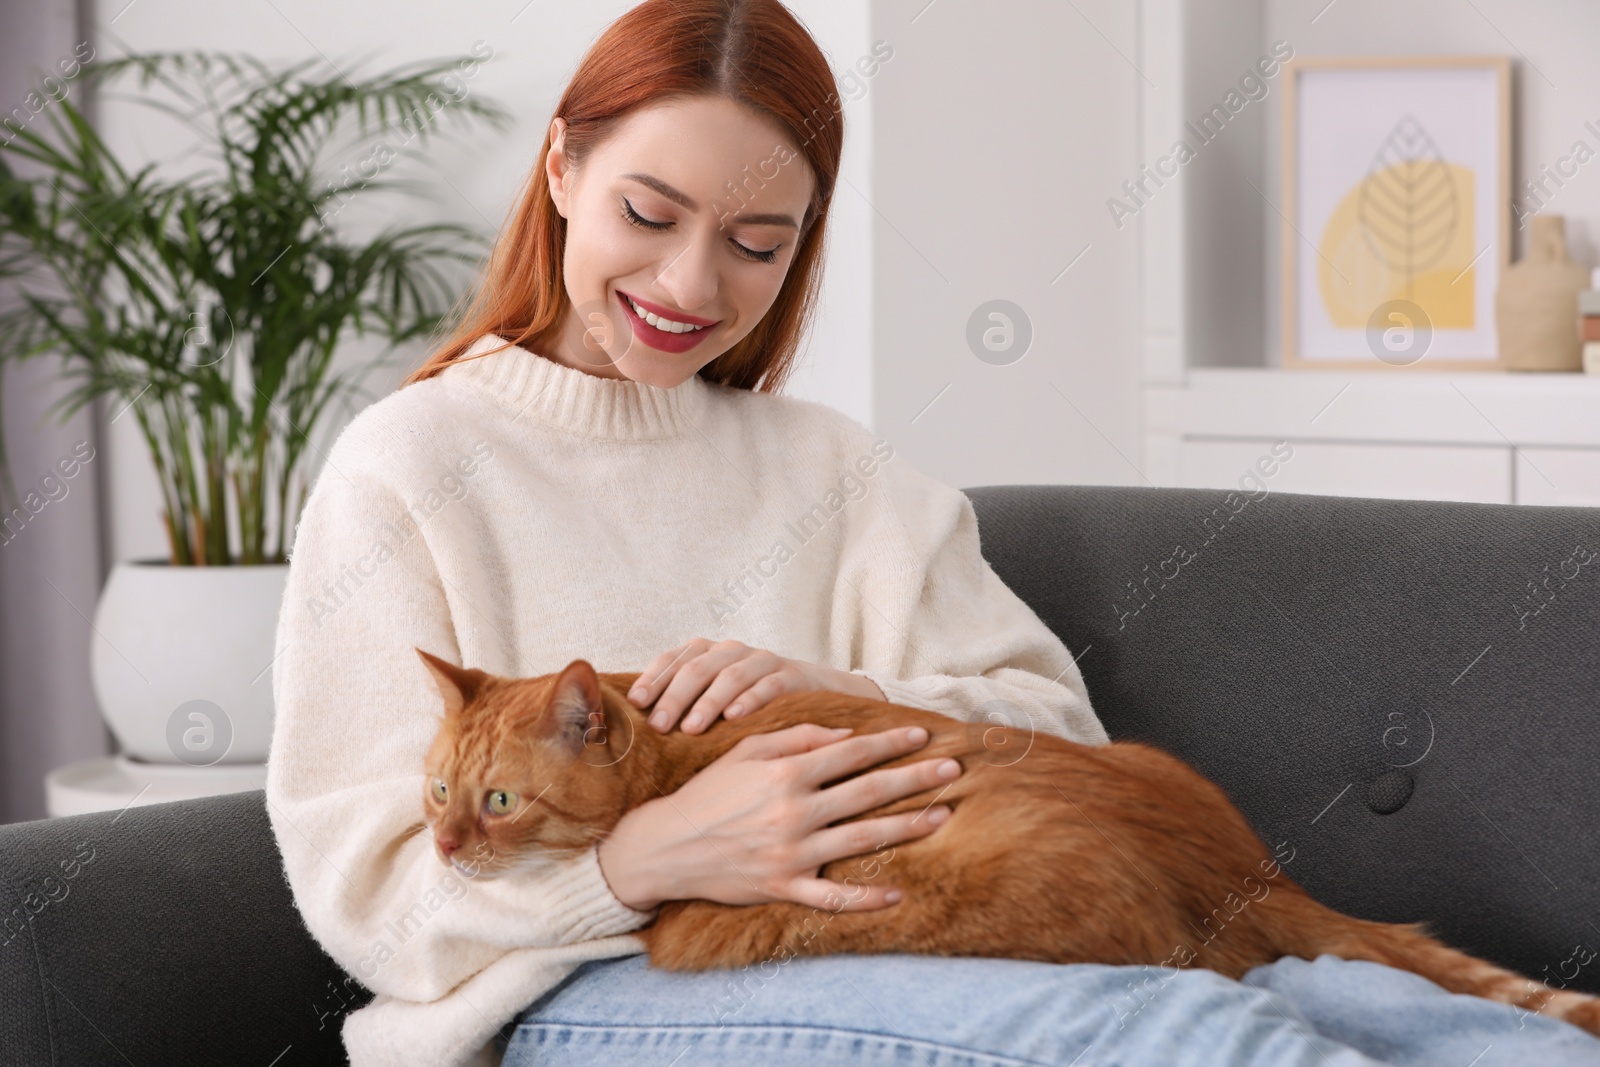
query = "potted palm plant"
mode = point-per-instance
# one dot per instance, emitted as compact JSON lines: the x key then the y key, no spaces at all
{"x":209,"y":308}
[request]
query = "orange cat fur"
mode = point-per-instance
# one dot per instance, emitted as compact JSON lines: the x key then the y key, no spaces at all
{"x":1056,"y":851}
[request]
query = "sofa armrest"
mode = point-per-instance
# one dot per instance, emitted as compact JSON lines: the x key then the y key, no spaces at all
{"x":161,"y":934}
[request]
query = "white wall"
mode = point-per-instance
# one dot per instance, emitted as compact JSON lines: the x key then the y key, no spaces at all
{"x":1225,"y":217}
{"x":977,"y":162}
{"x":1001,"y":130}
{"x":536,"y":46}
{"x":836,"y":368}
{"x":977,"y":166}
{"x":1555,"y":90}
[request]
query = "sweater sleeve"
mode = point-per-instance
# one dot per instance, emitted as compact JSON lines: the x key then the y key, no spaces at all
{"x":355,"y":712}
{"x":942,"y":632}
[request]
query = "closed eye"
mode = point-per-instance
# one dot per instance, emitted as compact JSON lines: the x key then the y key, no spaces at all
{"x":639,"y":220}
{"x":636,"y":219}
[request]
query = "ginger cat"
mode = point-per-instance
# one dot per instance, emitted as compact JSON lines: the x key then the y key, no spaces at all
{"x":1070,"y":853}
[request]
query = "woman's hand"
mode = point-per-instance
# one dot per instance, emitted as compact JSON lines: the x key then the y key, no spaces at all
{"x":753,"y":825}
{"x":729,"y":678}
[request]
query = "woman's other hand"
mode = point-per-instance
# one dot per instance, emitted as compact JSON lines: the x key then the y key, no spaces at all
{"x":753,"y":826}
{"x":729,"y":678}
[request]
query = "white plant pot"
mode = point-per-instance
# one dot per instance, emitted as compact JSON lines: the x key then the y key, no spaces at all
{"x":181,"y":660}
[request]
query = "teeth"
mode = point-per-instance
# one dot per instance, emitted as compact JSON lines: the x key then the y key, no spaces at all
{"x":660,"y":323}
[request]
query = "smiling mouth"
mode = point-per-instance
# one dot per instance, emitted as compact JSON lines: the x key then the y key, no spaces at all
{"x":665,"y":325}
{"x":662,"y":331}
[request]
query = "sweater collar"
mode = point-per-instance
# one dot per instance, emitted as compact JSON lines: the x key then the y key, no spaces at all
{"x":534,"y":387}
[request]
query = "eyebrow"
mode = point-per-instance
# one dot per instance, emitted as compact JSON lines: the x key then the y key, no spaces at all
{"x":771,"y":218}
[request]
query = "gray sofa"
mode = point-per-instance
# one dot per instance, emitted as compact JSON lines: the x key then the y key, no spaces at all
{"x":1404,"y":694}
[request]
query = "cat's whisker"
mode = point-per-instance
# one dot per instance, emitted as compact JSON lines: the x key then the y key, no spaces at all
{"x":558,"y":853}
{"x":537,"y":860}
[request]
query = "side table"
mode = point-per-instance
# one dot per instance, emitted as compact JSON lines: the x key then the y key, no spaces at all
{"x":107,"y":783}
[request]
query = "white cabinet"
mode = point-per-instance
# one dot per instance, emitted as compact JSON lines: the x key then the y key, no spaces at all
{"x":1339,"y":469}
{"x":1489,"y":438}
{"x":1558,"y":476}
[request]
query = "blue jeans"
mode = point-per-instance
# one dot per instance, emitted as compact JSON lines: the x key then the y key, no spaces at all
{"x":922,"y":1011}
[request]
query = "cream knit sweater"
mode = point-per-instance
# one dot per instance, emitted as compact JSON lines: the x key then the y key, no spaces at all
{"x":514,"y":514}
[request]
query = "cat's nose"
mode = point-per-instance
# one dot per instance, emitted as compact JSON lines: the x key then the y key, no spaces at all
{"x":448,"y":845}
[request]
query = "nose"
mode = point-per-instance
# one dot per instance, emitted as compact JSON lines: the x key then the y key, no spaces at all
{"x":690,"y":276}
{"x":447,"y":845}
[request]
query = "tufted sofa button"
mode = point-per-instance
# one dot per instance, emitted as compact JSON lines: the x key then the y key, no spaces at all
{"x":1388,"y":793}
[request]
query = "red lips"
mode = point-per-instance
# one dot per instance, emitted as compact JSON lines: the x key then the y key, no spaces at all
{"x":667,"y":313}
{"x":658,"y":339}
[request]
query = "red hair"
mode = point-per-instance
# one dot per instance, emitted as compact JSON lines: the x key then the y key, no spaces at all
{"x":754,"y":52}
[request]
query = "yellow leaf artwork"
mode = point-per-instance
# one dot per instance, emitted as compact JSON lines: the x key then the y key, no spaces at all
{"x":1405,"y":231}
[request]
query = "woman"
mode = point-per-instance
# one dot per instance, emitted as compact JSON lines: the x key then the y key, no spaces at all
{"x":598,"y":465}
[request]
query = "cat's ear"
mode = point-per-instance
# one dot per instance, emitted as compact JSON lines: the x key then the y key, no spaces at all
{"x":576,"y":714}
{"x":456,"y":685}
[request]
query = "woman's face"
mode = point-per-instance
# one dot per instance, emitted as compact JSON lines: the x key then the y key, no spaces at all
{"x":690,"y":211}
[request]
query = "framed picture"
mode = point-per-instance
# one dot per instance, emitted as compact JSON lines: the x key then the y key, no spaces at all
{"x":1397,"y":201}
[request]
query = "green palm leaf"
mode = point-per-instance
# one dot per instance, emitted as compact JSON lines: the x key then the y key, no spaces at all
{"x":212,"y":307}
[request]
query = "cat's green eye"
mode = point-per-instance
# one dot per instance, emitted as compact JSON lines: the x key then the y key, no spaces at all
{"x":440,"y":793}
{"x":502,"y":802}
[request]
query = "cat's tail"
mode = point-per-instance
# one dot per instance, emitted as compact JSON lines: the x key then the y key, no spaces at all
{"x":1408,"y":946}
